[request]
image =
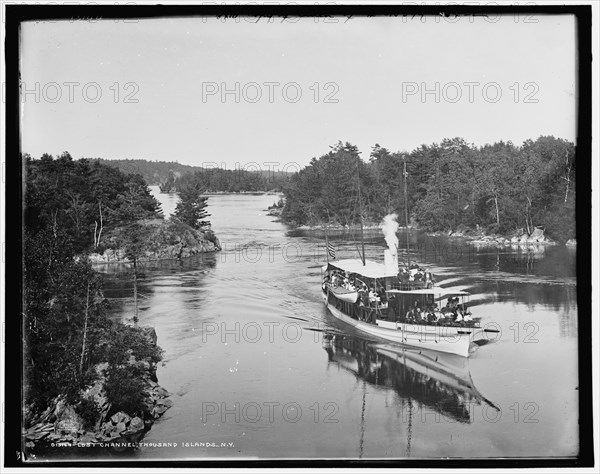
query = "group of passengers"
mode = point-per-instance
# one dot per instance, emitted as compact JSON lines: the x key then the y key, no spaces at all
{"x":415,"y":274}
{"x":372,"y":296}
{"x":453,"y":312}
{"x":340,"y":280}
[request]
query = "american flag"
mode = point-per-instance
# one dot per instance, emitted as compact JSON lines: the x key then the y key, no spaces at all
{"x":330,"y":249}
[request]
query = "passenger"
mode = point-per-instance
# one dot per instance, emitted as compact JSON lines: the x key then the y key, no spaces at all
{"x":381,"y":294}
{"x":373,"y":298}
{"x":391,"y":312}
{"x":364,"y":298}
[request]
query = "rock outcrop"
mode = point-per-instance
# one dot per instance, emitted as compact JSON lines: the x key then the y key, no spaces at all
{"x":519,"y":239}
{"x":60,"y":425}
{"x":167,"y":240}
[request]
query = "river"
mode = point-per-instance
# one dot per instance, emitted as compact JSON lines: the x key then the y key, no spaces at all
{"x":254,"y":372}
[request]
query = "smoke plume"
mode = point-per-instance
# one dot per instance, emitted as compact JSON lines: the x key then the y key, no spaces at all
{"x":389,"y":227}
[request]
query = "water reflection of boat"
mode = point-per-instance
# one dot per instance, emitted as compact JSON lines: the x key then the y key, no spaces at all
{"x":439,"y":381}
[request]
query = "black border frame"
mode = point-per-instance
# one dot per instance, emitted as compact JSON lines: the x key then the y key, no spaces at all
{"x":16,"y":14}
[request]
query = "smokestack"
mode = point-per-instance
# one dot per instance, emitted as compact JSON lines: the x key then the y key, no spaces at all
{"x":390,"y":262}
{"x":389,"y":228}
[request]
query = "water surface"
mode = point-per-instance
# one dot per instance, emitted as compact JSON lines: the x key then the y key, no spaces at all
{"x":259,"y":369}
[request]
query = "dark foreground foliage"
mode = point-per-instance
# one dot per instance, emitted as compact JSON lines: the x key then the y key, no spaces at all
{"x":70,"y":205}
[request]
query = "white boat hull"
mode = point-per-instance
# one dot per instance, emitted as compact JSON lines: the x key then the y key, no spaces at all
{"x":438,"y":338}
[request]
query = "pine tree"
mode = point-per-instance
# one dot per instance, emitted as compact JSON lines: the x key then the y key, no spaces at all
{"x":191,"y":208}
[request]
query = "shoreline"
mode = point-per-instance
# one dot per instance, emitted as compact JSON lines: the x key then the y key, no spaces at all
{"x":97,"y":260}
{"x":62,"y":426}
{"x":220,"y":193}
{"x":477,"y":238}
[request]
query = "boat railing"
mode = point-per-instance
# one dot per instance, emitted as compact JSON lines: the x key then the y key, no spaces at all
{"x":410,"y":285}
{"x":473,"y":324}
{"x":373,"y":305}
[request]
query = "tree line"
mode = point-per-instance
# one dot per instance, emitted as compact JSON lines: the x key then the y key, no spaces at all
{"x":71,"y":207}
{"x":172,"y":175}
{"x":498,"y":188}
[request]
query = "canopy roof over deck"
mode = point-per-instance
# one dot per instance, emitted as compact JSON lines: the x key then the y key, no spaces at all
{"x":369,"y":270}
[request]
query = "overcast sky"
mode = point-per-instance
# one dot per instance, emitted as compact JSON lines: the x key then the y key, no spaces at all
{"x":361,"y":80}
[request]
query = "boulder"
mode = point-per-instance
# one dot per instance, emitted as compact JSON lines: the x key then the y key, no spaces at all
{"x":34,"y":435}
{"x":108,"y":428}
{"x":537,"y":235}
{"x":164,"y":402}
{"x":158,"y":410}
{"x":68,"y":421}
{"x":160,"y":392}
{"x":571,"y":243}
{"x":120,"y":417}
{"x":136,"y":424}
{"x":150,"y":333}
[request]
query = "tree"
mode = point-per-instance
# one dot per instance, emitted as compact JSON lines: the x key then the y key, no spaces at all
{"x":191,"y":207}
{"x":67,"y":332}
{"x":451,"y":184}
{"x":134,"y":236}
{"x":65,"y":314}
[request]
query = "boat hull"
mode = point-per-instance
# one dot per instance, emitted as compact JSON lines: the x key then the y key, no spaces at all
{"x":437,"y":338}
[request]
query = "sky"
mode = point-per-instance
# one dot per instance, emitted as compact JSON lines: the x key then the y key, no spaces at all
{"x":239,"y":91}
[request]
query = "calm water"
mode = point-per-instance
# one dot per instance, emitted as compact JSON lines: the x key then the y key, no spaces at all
{"x":258,"y":368}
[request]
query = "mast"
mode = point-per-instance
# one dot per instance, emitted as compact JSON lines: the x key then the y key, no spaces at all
{"x":406,"y":212}
{"x":362,"y":237}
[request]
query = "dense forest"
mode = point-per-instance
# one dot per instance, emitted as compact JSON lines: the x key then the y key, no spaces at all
{"x":172,"y":175}
{"x":70,"y":208}
{"x":453,"y":185}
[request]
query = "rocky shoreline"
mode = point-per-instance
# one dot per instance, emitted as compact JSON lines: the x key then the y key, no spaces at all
{"x":61,"y":426}
{"x":518,"y":238}
{"x":169,"y":240}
